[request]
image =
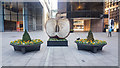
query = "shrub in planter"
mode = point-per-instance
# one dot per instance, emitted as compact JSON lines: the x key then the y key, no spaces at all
{"x":26,"y":44}
{"x":90,"y":36}
{"x":26,"y":36}
{"x":90,"y":44}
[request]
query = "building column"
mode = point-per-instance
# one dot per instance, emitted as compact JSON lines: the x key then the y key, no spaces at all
{"x":34,"y":23}
{"x":25,"y":17}
{"x":34,"y":19}
{"x":43,"y":19}
{"x":1,"y":18}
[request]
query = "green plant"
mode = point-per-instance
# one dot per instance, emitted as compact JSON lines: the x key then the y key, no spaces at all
{"x":56,"y":39}
{"x":32,"y":42}
{"x":71,"y":30}
{"x":90,"y":36}
{"x":95,"y":42}
{"x":26,"y":36}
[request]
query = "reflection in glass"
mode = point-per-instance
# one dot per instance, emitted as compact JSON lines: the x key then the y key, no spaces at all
{"x":6,"y":11}
{"x":6,"y":17}
{"x":20,"y":8}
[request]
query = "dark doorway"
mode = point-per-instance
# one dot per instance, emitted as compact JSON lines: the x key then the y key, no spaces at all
{"x":9,"y":25}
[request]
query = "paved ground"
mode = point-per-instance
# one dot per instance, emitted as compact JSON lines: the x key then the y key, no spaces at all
{"x":60,"y":56}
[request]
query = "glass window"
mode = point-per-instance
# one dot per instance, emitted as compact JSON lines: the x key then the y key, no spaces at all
{"x":13,"y":16}
{"x":20,"y":8}
{"x":14,"y":7}
{"x":7,"y":5}
{"x":6,"y":11}
{"x":20,"y":17}
{"x":7,"y":17}
{"x":6,"y":8}
{"x":94,"y":6}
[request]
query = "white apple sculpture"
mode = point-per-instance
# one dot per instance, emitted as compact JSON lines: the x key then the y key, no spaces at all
{"x":58,"y":28}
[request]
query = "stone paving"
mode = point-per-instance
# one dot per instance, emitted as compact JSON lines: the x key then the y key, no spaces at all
{"x":60,"y":56}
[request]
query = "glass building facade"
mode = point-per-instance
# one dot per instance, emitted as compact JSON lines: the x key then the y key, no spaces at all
{"x":84,"y":16}
{"x":84,"y":9}
{"x":18,"y":16}
{"x":112,"y":7}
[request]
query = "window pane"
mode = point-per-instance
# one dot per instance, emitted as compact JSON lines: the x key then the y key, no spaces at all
{"x":14,"y":7}
{"x":20,"y":8}
{"x":20,"y":17}
{"x":6,"y":11}
{"x":6,"y":17}
{"x":13,"y":16}
{"x":7,"y":8}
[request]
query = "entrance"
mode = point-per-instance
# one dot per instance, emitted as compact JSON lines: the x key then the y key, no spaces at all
{"x":13,"y":16}
{"x":9,"y":25}
{"x":13,"y":25}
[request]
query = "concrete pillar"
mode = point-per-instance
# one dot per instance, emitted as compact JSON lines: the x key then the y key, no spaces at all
{"x":34,"y":19}
{"x":34,"y":23}
{"x":43,"y":19}
{"x":42,"y":22}
{"x":1,"y":18}
{"x":25,"y":17}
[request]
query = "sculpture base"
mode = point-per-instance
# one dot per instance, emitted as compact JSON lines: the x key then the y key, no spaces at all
{"x":57,"y":42}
